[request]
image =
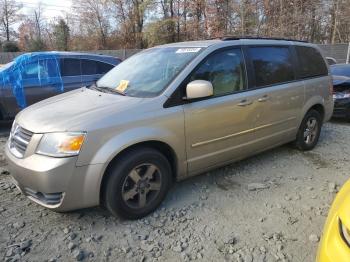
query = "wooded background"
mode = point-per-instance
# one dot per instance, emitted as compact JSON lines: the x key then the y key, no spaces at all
{"x":137,"y":24}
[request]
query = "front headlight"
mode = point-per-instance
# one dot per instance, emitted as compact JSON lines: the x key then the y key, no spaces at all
{"x":341,"y":95}
{"x":344,"y":232}
{"x":61,"y":144}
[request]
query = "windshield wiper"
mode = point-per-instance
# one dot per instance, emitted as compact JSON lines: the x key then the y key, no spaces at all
{"x":106,"y":89}
{"x":115,"y":91}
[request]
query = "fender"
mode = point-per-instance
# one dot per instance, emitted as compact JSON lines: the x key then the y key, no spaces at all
{"x":110,"y":148}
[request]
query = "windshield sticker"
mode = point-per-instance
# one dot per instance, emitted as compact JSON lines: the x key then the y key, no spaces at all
{"x":123,"y":85}
{"x":187,"y":50}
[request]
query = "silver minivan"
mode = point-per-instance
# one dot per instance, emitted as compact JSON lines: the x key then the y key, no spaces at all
{"x":165,"y":114}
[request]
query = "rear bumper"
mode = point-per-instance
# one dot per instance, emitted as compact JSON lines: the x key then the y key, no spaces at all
{"x":56,"y":183}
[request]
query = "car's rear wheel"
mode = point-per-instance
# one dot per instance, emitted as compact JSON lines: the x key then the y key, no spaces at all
{"x":137,"y":183}
{"x":309,"y":131}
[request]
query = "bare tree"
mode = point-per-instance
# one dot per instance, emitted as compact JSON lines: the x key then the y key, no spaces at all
{"x":9,"y":15}
{"x":93,"y":16}
{"x":100,"y":24}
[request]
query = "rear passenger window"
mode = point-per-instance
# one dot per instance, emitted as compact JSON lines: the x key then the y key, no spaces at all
{"x":103,"y":68}
{"x":272,"y":65}
{"x":89,"y":67}
{"x":311,"y":63}
{"x":225,"y":70}
{"x":70,"y":67}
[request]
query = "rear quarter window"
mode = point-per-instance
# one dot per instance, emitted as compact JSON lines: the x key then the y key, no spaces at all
{"x":272,"y":65}
{"x":311,"y":62}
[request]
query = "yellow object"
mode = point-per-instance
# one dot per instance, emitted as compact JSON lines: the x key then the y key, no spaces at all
{"x":123,"y":85}
{"x":72,"y":144}
{"x":333,"y":246}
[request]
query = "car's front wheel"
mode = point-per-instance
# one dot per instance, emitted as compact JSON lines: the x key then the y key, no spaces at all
{"x":309,"y":131}
{"x":137,"y":183}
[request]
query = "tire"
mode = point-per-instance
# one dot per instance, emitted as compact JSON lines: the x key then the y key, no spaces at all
{"x":309,"y":131}
{"x":137,"y":183}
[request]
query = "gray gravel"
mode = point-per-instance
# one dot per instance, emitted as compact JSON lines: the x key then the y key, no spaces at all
{"x":270,"y":207}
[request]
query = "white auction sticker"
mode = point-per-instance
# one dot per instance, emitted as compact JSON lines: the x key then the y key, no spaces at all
{"x":187,"y":50}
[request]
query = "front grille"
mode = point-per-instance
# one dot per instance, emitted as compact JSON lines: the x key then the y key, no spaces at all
{"x":19,"y":140}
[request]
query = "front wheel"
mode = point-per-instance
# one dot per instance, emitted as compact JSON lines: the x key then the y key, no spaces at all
{"x":137,"y":183}
{"x":309,"y":131}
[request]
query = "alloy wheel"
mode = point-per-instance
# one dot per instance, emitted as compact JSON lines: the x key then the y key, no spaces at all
{"x":311,"y":129}
{"x":141,"y":186}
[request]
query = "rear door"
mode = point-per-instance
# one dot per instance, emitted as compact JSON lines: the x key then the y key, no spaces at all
{"x":71,"y":73}
{"x":279,"y":96}
{"x":219,"y":128}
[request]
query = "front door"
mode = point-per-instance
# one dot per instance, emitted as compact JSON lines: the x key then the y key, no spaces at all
{"x":219,"y":128}
{"x":41,"y":79}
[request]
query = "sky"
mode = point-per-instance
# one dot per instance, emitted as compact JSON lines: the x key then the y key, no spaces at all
{"x":52,"y":8}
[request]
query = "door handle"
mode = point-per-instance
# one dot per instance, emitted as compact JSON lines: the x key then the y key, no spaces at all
{"x":245,"y":102}
{"x":263,"y":99}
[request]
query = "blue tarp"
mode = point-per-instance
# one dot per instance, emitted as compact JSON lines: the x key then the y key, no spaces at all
{"x":32,"y":69}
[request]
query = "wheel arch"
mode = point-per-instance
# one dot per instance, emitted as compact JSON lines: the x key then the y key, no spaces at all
{"x":319,"y":108}
{"x":317,"y":103}
{"x":160,"y":146}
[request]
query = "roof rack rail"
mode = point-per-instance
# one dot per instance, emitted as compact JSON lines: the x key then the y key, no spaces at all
{"x":227,"y":38}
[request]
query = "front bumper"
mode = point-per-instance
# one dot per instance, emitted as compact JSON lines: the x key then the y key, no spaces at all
{"x":56,"y":183}
{"x":332,"y":247}
{"x":342,"y":108}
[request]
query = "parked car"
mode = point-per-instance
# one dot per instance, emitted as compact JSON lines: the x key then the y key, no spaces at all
{"x":36,"y":76}
{"x":331,"y":60}
{"x":335,"y":241}
{"x":341,"y":90}
{"x":192,"y":107}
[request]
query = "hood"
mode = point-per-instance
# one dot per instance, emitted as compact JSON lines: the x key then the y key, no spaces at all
{"x":340,"y":80}
{"x":73,"y":111}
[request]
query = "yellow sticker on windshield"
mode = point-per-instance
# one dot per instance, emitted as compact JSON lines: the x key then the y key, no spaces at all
{"x":123,"y":85}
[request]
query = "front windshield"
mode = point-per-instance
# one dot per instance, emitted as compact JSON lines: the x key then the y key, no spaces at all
{"x":148,"y":73}
{"x":4,"y":67}
{"x":340,"y":70}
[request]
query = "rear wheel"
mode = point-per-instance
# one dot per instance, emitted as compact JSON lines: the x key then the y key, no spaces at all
{"x":137,"y":183}
{"x":309,"y":131}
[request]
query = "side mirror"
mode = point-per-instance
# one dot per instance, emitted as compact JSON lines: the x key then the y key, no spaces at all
{"x":199,"y":89}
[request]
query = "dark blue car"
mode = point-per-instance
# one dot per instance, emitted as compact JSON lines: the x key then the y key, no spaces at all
{"x":341,"y":90}
{"x":36,"y":76}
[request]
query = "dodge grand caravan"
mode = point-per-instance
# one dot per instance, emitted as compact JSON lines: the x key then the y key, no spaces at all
{"x":165,"y":114}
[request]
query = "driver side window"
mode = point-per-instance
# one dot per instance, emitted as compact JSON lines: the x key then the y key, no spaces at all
{"x":225,"y":70}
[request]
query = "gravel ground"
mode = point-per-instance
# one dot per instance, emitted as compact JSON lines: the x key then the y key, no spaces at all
{"x":270,"y":207}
